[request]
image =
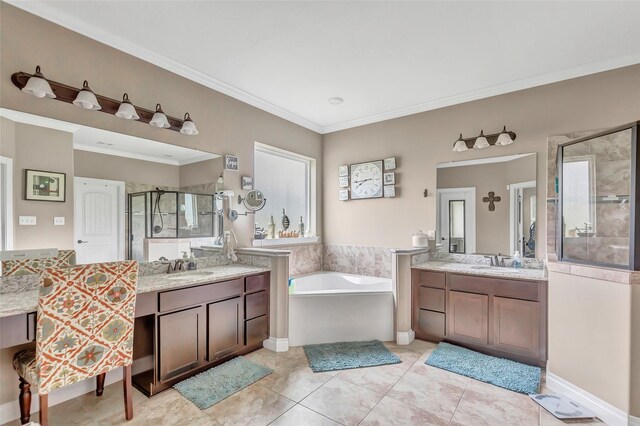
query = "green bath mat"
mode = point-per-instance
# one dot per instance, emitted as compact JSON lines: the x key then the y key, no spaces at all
{"x":501,"y":372}
{"x":214,"y":385}
{"x":346,"y":355}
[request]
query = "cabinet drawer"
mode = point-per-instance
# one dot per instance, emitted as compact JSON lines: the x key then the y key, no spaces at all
{"x":431,"y":298}
{"x":517,"y":289}
{"x":257,"y":283}
{"x":256,"y":304}
{"x":432,"y":279}
{"x":175,"y":299}
{"x":257,"y":330}
{"x":431,"y":323}
{"x":18,"y":329}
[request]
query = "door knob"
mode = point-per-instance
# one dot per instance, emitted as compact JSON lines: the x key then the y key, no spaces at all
{"x":82,"y":242}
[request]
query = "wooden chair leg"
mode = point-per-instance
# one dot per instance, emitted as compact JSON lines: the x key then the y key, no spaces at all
{"x":44,"y":410}
{"x":100,"y":384}
{"x":128,"y":392}
{"x":25,"y":401}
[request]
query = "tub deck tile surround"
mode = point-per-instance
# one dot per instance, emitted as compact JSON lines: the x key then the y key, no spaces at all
{"x":342,"y":399}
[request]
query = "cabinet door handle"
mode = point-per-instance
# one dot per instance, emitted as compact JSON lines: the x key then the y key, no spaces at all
{"x":82,"y":242}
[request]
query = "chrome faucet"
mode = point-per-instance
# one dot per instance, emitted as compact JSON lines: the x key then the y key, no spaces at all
{"x":497,"y":259}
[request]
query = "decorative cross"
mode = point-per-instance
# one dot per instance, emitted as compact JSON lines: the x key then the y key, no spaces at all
{"x":491,"y":199}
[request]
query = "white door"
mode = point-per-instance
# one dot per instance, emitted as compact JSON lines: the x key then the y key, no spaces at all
{"x":99,"y":220}
{"x":457,"y":220}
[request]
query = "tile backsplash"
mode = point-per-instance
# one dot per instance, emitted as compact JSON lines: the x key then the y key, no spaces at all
{"x":361,"y":260}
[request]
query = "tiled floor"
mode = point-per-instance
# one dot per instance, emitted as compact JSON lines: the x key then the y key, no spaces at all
{"x":410,"y":393}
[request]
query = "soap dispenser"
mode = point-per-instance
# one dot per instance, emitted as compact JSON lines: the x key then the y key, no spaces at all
{"x":192,"y":265}
{"x":517,"y":260}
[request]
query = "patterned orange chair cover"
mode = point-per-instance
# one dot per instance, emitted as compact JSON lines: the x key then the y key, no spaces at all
{"x":84,"y":324}
{"x":34,"y":266}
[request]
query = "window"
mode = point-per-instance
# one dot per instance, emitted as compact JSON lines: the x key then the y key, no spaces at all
{"x":287,"y":181}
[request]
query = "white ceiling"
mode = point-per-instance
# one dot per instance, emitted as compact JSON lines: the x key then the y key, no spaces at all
{"x":386,"y":59}
{"x":112,"y":143}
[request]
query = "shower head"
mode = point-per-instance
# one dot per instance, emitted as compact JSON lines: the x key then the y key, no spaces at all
{"x":160,"y":191}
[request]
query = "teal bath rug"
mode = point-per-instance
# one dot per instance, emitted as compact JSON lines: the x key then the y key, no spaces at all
{"x":346,"y":355}
{"x":214,"y":385}
{"x":501,"y":372}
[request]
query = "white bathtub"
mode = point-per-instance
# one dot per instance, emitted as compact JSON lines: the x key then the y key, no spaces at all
{"x":326,"y":307}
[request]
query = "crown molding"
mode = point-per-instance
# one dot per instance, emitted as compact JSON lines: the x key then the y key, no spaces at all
{"x":501,"y":89}
{"x":45,"y":11}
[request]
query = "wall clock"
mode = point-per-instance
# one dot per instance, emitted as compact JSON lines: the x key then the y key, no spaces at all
{"x":366,"y":180}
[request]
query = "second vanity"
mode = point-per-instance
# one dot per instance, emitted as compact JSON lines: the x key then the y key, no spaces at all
{"x":495,"y":310}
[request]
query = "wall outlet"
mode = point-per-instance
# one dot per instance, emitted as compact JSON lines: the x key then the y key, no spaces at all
{"x":58,"y":220}
{"x":27,"y":220}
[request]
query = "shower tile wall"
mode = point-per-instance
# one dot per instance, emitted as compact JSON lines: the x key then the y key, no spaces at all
{"x":369,"y":261}
{"x":610,"y":244}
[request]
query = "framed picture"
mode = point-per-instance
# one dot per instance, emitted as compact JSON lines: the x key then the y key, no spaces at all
{"x":247,"y":182}
{"x":366,"y":180}
{"x":343,"y":195}
{"x":230,"y":162}
{"x":343,"y":171}
{"x":390,"y":163}
{"x":389,"y":191}
{"x":343,"y":181}
{"x":45,"y":186}
{"x":389,"y":178}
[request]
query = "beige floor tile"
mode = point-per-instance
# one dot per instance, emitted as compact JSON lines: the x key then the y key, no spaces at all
{"x":485,"y":404}
{"x":439,"y":374}
{"x":342,"y":401}
{"x":378,"y":379}
{"x":296,"y":383}
{"x":254,"y":405}
{"x":299,"y":416}
{"x":272,"y":360}
{"x":391,"y":412}
{"x":436,"y":396}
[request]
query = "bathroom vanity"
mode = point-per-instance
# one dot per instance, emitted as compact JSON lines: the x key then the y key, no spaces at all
{"x":498,"y":311}
{"x":184,"y":322}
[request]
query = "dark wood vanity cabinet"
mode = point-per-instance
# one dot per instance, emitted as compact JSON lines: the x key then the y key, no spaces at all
{"x":185,"y":331}
{"x":498,"y":316}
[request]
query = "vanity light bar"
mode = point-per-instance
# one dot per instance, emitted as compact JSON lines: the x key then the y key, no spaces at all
{"x":484,"y":141}
{"x":69,"y":94}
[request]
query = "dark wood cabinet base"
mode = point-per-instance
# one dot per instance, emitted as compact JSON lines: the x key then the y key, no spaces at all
{"x":192,"y":329}
{"x":497,"y":316}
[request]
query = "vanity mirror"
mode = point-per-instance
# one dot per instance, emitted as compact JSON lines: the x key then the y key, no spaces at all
{"x":487,"y":206}
{"x":126,"y":197}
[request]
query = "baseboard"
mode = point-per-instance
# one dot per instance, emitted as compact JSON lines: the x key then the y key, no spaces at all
{"x":276,"y":345}
{"x":606,"y":412}
{"x":11,"y":410}
{"x":634,"y":421}
{"x":405,"y":337}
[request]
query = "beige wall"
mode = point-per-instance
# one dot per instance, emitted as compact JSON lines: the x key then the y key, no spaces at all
{"x":38,"y":148}
{"x":226,"y":125}
{"x":101,"y":166}
{"x":589,"y":335}
{"x":421,"y":141}
{"x":492,"y":227}
{"x":635,"y":351}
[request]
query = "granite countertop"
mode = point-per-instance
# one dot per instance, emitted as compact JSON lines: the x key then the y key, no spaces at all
{"x":484,"y":270}
{"x":20,"y":302}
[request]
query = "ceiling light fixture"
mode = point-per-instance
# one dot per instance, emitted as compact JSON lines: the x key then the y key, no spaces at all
{"x":188,"y":127}
{"x":86,"y":99}
{"x":126,"y":110}
{"x":335,"y":100}
{"x":159,"y":118}
{"x":505,"y":137}
{"x":38,"y":86}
